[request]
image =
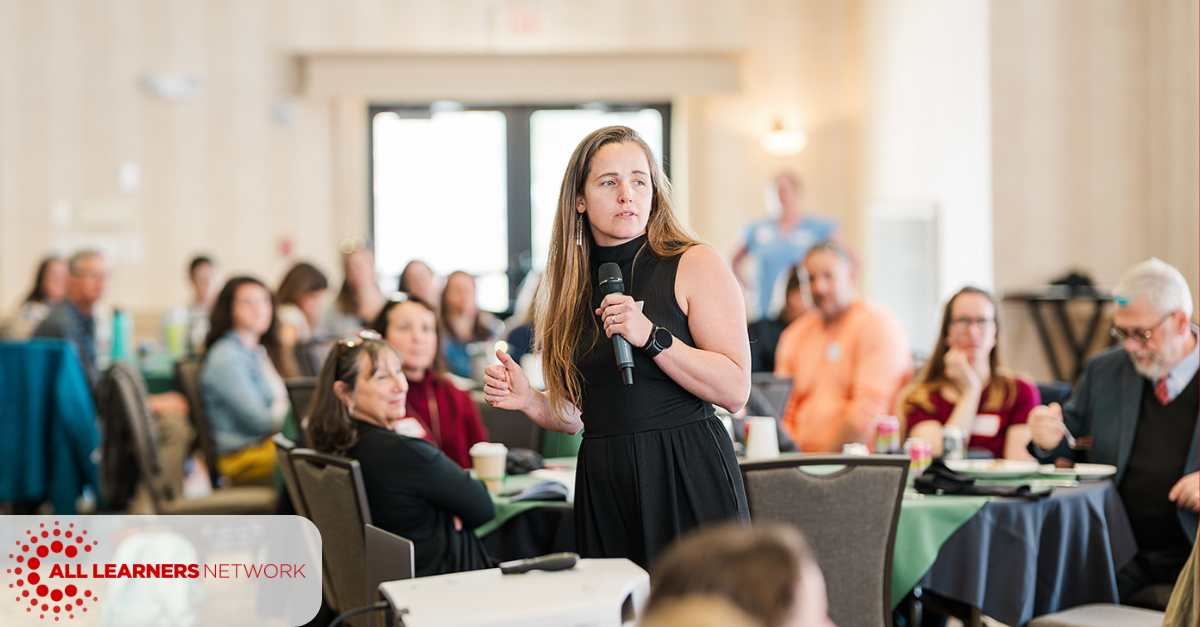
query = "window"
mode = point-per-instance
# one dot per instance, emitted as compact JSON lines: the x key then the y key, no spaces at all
{"x":476,"y":188}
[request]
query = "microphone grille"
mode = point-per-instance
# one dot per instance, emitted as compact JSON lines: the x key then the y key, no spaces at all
{"x":610,"y":278}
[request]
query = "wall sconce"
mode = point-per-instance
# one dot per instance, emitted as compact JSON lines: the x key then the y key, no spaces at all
{"x":781,"y":141}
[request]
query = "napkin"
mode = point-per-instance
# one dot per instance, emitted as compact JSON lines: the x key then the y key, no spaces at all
{"x":939,"y":479}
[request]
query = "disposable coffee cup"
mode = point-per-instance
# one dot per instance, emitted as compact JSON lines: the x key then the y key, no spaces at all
{"x":762,"y":441}
{"x":490,"y":460}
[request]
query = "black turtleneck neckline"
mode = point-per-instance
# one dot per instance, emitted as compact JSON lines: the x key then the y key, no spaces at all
{"x":621,"y":254}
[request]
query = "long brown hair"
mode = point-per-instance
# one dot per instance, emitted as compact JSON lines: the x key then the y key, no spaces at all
{"x":1001,"y":391}
{"x":329,"y":426}
{"x":38,"y":293}
{"x":758,"y":568}
{"x":302,"y":280}
{"x":563,"y":306}
{"x":221,"y":319}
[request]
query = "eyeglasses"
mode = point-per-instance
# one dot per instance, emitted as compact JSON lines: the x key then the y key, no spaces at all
{"x":1141,"y":336}
{"x":962,"y":324}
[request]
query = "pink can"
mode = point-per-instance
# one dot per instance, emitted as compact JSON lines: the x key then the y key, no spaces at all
{"x":920,"y":454}
{"x":887,"y":434}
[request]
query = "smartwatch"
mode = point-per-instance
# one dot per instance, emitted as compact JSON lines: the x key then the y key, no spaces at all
{"x":659,"y":341}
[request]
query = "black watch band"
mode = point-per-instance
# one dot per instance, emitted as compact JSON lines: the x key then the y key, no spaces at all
{"x":660,"y":340}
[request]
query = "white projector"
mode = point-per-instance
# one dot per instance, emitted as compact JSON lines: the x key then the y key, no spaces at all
{"x":595,"y":593}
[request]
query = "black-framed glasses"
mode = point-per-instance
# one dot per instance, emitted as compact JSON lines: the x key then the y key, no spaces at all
{"x":962,"y":324}
{"x":1141,"y":336}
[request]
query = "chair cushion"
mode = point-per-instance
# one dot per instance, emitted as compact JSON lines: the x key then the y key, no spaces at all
{"x":1100,"y":615}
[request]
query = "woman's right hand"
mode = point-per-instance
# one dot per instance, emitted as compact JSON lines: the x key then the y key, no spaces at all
{"x":506,"y":386}
{"x":959,"y":371}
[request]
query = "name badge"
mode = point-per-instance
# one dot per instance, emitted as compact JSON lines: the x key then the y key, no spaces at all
{"x":410,"y":427}
{"x":986,"y":425}
{"x":833,"y":352}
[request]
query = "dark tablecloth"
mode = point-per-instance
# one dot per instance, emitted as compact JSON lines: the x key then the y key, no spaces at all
{"x":1017,"y":559}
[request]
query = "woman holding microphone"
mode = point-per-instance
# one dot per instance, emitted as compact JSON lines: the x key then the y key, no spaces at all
{"x":655,"y":461}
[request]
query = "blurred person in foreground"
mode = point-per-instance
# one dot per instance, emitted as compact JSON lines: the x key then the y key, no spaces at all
{"x":765,"y":570}
{"x":244,"y":396}
{"x":444,"y":414}
{"x":413,"y":489}
{"x":49,"y":287}
{"x":71,"y":319}
{"x":1138,"y":404}
{"x":655,"y":461}
{"x":847,"y":358}
{"x":300,"y":297}
{"x":965,"y":386}
{"x":778,"y":241}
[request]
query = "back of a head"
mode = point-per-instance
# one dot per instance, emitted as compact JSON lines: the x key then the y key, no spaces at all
{"x":698,"y":611}
{"x":1159,"y":283}
{"x":757,"y":568}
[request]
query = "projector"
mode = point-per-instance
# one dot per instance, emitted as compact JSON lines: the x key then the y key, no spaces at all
{"x":595,"y":593}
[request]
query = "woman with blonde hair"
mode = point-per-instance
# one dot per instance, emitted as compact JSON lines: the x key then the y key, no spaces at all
{"x":655,"y":461}
{"x":964,"y":385}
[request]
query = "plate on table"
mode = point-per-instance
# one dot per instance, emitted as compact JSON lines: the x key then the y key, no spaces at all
{"x":993,"y":468}
{"x":1083,"y":471}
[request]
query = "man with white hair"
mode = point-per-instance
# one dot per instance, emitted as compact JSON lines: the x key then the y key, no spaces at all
{"x":1139,"y":404}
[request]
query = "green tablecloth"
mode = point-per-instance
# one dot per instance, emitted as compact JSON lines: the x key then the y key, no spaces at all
{"x":159,"y":372}
{"x":506,"y":508}
{"x":926,"y":522}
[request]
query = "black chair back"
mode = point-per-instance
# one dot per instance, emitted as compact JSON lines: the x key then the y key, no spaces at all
{"x":333,"y":493}
{"x":849,"y":515}
{"x":300,"y":392}
{"x":187,"y":374}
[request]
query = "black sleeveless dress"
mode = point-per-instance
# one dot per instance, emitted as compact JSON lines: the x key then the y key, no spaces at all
{"x":655,"y":461}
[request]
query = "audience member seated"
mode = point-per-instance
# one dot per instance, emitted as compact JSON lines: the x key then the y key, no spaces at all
{"x":1138,"y":403}
{"x":71,"y":319}
{"x":963,"y":384}
{"x":462,"y":322}
{"x":206,"y":282}
{"x":413,"y":489}
{"x":847,"y":358}
{"x":244,"y":397}
{"x":445,"y":415}
{"x":764,"y":334}
{"x":360,"y":299}
{"x":299,"y":297}
{"x":418,"y":279}
{"x":49,"y":287}
{"x":765,"y":570}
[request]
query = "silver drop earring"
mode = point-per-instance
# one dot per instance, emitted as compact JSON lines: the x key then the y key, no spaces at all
{"x":350,"y":410}
{"x":579,"y":230}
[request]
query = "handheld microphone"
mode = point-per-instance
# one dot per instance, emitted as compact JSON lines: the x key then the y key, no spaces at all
{"x":612,"y":283}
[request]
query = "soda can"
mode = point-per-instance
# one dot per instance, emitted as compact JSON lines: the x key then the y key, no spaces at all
{"x":920,"y":454}
{"x":855,"y":448}
{"x":953,"y":445}
{"x":887,"y":434}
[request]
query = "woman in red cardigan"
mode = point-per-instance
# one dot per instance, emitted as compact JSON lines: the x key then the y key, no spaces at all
{"x":446,"y":415}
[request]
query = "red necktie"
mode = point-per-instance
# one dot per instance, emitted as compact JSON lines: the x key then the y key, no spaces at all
{"x":1160,"y":391}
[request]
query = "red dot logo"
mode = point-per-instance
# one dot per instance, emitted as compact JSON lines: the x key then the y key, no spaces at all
{"x":31,"y":567}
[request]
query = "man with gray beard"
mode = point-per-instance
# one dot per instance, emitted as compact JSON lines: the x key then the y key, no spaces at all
{"x":1137,"y":402}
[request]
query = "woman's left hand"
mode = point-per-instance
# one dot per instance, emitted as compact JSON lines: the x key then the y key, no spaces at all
{"x":621,"y":316}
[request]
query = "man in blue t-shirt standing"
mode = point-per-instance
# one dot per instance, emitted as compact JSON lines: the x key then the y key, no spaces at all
{"x":779,"y":242}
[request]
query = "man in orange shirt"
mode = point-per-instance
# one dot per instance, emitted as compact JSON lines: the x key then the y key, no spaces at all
{"x":847,"y":358}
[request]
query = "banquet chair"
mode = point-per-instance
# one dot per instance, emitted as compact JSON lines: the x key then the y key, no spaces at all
{"x":187,"y":374}
{"x":334,"y":494}
{"x":300,"y":393}
{"x":125,"y":400}
{"x":848,"y":507}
